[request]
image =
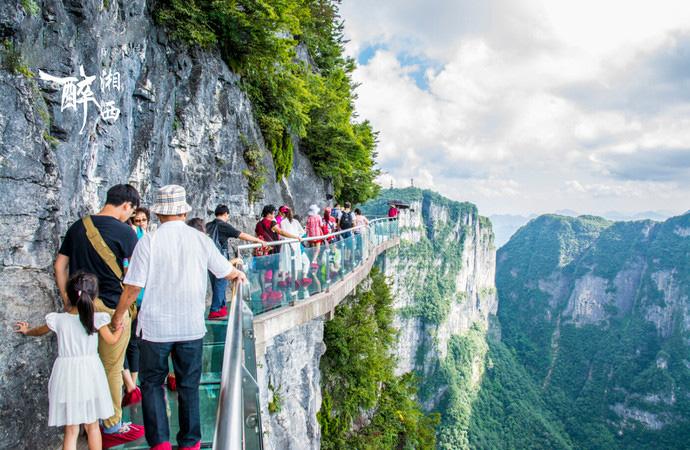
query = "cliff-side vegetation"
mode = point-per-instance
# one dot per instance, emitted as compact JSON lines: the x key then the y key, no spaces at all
{"x":617,"y":375}
{"x":289,"y":54}
{"x":428,"y":269}
{"x":365,"y":406}
{"x":509,"y":411}
{"x":437,"y":254}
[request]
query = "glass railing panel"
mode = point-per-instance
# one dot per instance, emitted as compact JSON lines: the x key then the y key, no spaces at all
{"x":264,"y":274}
{"x":300,"y":271}
{"x":311,"y":279}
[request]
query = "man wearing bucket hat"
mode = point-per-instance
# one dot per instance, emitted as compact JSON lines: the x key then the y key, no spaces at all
{"x":172,"y":264}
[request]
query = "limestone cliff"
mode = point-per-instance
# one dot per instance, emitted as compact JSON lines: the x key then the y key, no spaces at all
{"x":599,"y":314}
{"x":443,"y":278}
{"x":182,"y":118}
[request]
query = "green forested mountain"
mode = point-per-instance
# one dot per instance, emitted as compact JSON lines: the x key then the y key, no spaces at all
{"x":595,"y":322}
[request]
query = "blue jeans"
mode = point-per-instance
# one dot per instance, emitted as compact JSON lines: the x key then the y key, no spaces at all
{"x":218,"y":286}
{"x":186,"y":357}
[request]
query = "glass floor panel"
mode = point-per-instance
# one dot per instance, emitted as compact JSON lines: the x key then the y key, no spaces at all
{"x":208,"y":401}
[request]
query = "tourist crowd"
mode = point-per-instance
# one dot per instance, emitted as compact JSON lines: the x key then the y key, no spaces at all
{"x":135,"y":298}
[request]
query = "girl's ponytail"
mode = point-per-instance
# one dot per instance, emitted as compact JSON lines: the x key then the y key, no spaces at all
{"x":82,"y":290}
{"x":85,"y":307}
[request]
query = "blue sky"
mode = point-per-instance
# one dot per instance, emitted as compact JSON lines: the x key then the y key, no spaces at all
{"x":531,"y":105}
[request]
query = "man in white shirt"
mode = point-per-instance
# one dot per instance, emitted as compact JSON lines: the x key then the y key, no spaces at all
{"x":172,"y":264}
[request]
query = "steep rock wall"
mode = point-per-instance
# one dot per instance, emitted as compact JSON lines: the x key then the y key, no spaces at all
{"x":443,"y":282}
{"x":290,"y":385}
{"x":599,"y":314}
{"x":183,"y":118}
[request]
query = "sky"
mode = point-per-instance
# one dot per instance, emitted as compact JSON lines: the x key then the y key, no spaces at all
{"x":529,"y":106}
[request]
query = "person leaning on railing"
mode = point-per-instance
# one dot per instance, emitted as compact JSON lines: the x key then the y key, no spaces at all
{"x":172,"y":264}
{"x":220,"y":231}
{"x":268,"y":230}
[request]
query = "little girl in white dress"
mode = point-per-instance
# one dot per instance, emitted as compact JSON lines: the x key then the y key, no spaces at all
{"x":78,"y":388}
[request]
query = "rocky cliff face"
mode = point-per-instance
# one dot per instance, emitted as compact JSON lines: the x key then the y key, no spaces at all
{"x":443,"y":281}
{"x":599,"y":313}
{"x":443,"y":285}
{"x":290,"y":385}
{"x":181,"y":118}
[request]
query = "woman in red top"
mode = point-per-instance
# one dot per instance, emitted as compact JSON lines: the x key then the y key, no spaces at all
{"x":268,"y":230}
{"x":329,"y":222}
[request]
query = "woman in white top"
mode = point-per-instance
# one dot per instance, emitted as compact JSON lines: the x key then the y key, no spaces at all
{"x":78,"y":390}
{"x":291,"y":254}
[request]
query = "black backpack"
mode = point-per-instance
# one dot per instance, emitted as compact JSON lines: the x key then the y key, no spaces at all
{"x":214,"y":234}
{"x":346,"y":221}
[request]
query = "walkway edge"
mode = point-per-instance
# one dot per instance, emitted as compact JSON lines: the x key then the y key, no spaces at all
{"x":271,"y":324}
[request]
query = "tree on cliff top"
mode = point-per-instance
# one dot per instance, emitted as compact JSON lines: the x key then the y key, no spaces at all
{"x":289,"y":54}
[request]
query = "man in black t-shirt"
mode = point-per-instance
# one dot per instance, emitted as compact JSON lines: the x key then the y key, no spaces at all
{"x":220,"y":231}
{"x":78,"y":254}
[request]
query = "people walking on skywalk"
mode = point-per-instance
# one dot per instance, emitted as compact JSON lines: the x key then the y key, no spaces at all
{"x":172,"y":264}
{"x":78,"y":392}
{"x":220,"y":231}
{"x":102,"y":244}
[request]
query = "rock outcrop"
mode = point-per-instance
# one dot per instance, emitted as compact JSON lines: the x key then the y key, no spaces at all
{"x":599,"y":314}
{"x":182,"y":118}
{"x":443,"y":284}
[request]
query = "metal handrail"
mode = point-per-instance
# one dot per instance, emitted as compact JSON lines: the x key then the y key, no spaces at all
{"x":229,"y":428}
{"x":312,"y":238}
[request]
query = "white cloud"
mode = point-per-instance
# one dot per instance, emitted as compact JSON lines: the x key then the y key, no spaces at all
{"x":524,"y":95}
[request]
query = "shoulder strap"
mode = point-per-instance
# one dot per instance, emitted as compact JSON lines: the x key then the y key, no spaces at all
{"x":101,"y":247}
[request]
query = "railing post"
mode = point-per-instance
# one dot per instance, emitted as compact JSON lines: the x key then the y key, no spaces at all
{"x":253,"y":435}
{"x":229,"y":427}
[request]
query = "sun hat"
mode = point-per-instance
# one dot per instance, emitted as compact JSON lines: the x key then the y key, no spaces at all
{"x":171,"y":200}
{"x":313,"y":209}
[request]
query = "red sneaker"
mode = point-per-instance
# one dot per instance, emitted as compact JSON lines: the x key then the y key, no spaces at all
{"x":131,"y":398}
{"x":224,"y":308}
{"x":217,"y":315}
{"x":196,"y":446}
{"x":162,"y":446}
{"x":172,"y":382}
{"x":128,"y":433}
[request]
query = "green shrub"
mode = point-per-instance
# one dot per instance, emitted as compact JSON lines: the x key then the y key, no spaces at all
{"x":256,"y":171}
{"x":365,"y":406}
{"x":291,"y":98}
{"x":13,"y":62}
{"x":30,"y":7}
